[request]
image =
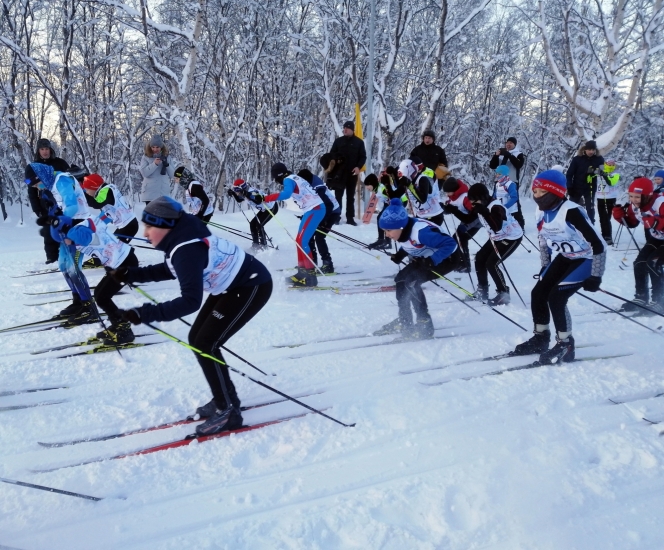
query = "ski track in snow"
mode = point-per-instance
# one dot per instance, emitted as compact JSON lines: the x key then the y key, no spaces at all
{"x":534,"y":459}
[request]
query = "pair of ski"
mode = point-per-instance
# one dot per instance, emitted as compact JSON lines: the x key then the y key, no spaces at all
{"x":45,"y":324}
{"x":360,"y":289}
{"x":641,"y":396}
{"x":32,"y":273}
{"x":9,"y":393}
{"x":180,"y":442}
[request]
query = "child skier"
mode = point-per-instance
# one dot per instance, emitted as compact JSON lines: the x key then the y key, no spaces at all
{"x":107,"y":198}
{"x":62,"y":195}
{"x":385,"y":190}
{"x":647,"y":207}
{"x":238,"y":285}
{"x":242,"y":190}
{"x":198,"y":201}
{"x":607,"y":193}
{"x":505,"y":235}
{"x":332,"y":217}
{"x":458,"y":205}
{"x":579,"y":256}
{"x":313,"y":210}
{"x":506,"y":191}
{"x":432,"y":253}
{"x":423,"y":193}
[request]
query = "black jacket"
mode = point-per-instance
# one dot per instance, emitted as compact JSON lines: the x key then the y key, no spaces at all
{"x":578,"y":172}
{"x":58,"y":165}
{"x":431,"y":155}
{"x":351,"y":149}
{"x":189,"y":264}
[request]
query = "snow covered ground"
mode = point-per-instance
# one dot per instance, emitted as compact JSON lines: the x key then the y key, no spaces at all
{"x":535,"y":459}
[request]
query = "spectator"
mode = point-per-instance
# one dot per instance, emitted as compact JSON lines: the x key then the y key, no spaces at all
{"x":582,"y":177}
{"x":46,"y":155}
{"x":432,"y":155}
{"x":350,"y":149}
{"x":156,"y":170}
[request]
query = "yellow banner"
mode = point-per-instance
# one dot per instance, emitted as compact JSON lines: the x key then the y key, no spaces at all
{"x":358,"y":128}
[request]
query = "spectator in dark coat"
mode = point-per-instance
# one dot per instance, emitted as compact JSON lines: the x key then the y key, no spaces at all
{"x":350,"y":149}
{"x":582,"y":177}
{"x":45,"y":154}
{"x":512,"y":157}
{"x":431,"y":154}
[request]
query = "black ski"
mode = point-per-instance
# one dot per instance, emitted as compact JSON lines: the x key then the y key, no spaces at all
{"x":46,"y":324}
{"x":533,"y":365}
{"x":102,"y":348}
{"x":636,"y":397}
{"x":31,"y":390}
{"x":188,"y":420}
{"x":93,"y":340}
{"x":30,"y":406}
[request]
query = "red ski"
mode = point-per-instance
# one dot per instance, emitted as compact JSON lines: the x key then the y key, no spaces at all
{"x":371,"y":208}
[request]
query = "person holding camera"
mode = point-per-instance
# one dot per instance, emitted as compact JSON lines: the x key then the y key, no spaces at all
{"x":512,"y":157}
{"x":156,"y":170}
{"x":582,"y":177}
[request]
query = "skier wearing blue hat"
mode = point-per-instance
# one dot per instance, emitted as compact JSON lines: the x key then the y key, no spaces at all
{"x":432,"y":254}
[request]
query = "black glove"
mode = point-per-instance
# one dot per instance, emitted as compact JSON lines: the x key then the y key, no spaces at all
{"x":44,"y":221}
{"x":398,"y":256}
{"x":256,"y":198}
{"x":131,"y":315}
{"x":480,"y":208}
{"x":120,"y":275}
{"x":448,"y":208}
{"x":592,"y":283}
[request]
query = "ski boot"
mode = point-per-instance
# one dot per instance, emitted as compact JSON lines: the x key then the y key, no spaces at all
{"x":221,"y":421}
{"x":84,"y":315}
{"x":501,"y":299}
{"x":538,"y":343}
{"x":120,"y":334}
{"x":480,"y":295}
{"x":327,"y":267}
{"x":421,"y":330}
{"x":380,"y":244}
{"x":394,"y":327}
{"x":303,"y":278}
{"x":206,"y":411}
{"x":655,"y":309}
{"x":70,"y":310}
{"x":563,"y":351}
{"x":91,"y":263}
{"x":257,"y":247}
{"x":630,"y":307}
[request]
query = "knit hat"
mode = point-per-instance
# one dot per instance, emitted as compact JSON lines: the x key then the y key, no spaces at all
{"x":156,"y":141}
{"x":186,"y":176}
{"x":479,"y":192}
{"x":429,"y":133}
{"x":641,"y":186}
{"x":350,"y":125}
{"x":394,"y":216}
{"x":163,"y":212}
{"x":279,"y":171}
{"x":659,"y":174}
{"x":512,"y":139}
{"x":551,"y":181}
{"x":450,"y":185}
{"x":407,"y":169}
{"x":591,"y":144}
{"x":372,"y":180}
{"x":240,"y":183}
{"x":502,"y":170}
{"x":92,"y":182}
{"x":36,"y":172}
{"x":43,"y":143}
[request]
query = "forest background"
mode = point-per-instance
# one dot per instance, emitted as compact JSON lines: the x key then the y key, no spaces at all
{"x":235,"y":85}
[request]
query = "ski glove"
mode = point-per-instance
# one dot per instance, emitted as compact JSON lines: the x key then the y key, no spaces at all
{"x":255,"y":198}
{"x":131,"y":315}
{"x":120,"y":275}
{"x":592,"y":284}
{"x":399,"y":256}
{"x":618,"y":213}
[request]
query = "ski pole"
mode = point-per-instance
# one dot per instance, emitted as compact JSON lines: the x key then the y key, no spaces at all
{"x":51,"y":489}
{"x":230,"y":230}
{"x":142,"y":292}
{"x":296,"y":243}
{"x":617,"y":312}
{"x":347,"y":244}
{"x":531,"y":242}
{"x":633,"y":239}
{"x":260,"y":223}
{"x":502,"y":261}
{"x":219,"y":361}
{"x":615,"y":244}
{"x":129,"y":237}
{"x":351,"y":239}
{"x":458,"y":240}
{"x":630,"y":301}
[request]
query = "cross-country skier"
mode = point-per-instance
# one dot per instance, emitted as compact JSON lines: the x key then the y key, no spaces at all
{"x":573,"y":256}
{"x":94,"y":238}
{"x":332,"y":217}
{"x":240,"y":191}
{"x":505,"y":235}
{"x":108,"y":198}
{"x":461,"y":208}
{"x":432,"y":253}
{"x":506,"y":191}
{"x":385,"y":190}
{"x":607,"y":193}
{"x":198,"y":201}
{"x":313,"y":210}
{"x":61,"y":194}
{"x":238,"y":285}
{"x":647,"y":207}
{"x":423,"y":192}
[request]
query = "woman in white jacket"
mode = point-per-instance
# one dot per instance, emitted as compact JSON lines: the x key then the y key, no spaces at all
{"x":157,"y":170}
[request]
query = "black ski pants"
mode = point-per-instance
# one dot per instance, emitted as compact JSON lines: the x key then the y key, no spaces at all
{"x":549,"y":298}
{"x":585,"y":198}
{"x":604,"y":210}
{"x":463,"y":235}
{"x":348,"y":188}
{"x":650,"y":263}
{"x":488,"y":262}
{"x":257,"y":224}
{"x":409,"y":286}
{"x":319,"y":239}
{"x":220,"y":318}
{"x":51,"y":246}
{"x":109,"y":287}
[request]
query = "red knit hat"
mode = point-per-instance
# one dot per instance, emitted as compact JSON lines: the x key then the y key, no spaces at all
{"x":239,"y":183}
{"x":92,"y":182}
{"x":642,"y":186}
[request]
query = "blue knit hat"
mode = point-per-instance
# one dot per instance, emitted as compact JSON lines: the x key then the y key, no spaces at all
{"x":502,"y":170}
{"x":551,"y":181}
{"x":659,"y":174}
{"x":394,"y":216}
{"x":43,"y":173}
{"x":163,"y":212}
